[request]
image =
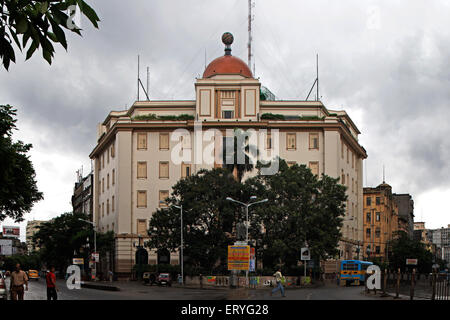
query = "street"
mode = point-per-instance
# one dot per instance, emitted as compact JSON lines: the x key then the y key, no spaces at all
{"x":137,"y":291}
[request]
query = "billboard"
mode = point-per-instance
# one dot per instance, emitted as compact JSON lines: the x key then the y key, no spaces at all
{"x":11,"y":232}
{"x":6,"y":248}
{"x":238,"y":257}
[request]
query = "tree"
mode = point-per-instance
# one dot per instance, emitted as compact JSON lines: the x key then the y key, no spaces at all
{"x":18,"y":190}
{"x":42,"y":22}
{"x":209,"y":219}
{"x":65,"y":237}
{"x":301,"y":208}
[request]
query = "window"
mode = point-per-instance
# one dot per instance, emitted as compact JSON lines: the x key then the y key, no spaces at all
{"x":103,"y":184}
{"x":164,"y":170}
{"x":103,"y":161}
{"x":291,"y":141}
{"x":314,"y":141}
{"x":268,"y":141}
{"x":107,"y":156}
{"x":378,"y":216}
{"x":163,"y":195}
{"x":113,"y":151}
{"x":353,"y":160}
{"x":342,"y":149}
{"x":142,"y":227}
{"x":347,"y":154}
{"x":142,"y":199}
{"x":368,"y":217}
{"x":377,"y":201}
{"x":377,"y":232}
{"x":353,"y":185}
{"x":103,"y":209}
{"x":343,"y":177}
{"x":314,"y":166}
{"x":348,"y":181}
{"x":163,"y":141}
{"x":369,"y":201}
{"x":112,"y":204}
{"x":227,"y":114}
{"x":185,"y":170}
{"x":107,"y":207}
{"x":377,"y":249}
{"x":142,"y":170}
{"x":142,"y":141}
{"x":107,"y":181}
{"x":112,"y":226}
{"x":291,"y":163}
{"x":113,"y":176}
{"x":100,"y":187}
{"x":368,"y":232}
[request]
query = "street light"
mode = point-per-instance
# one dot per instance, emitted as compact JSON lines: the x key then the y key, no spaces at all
{"x":95,"y":243}
{"x":181,"y":244}
{"x":247,"y":205}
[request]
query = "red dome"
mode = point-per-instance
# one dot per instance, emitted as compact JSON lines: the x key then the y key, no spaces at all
{"x":227,"y":64}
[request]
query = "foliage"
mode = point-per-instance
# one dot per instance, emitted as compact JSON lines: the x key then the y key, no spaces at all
{"x":152,"y":116}
{"x":403,"y":248}
{"x":66,"y":236}
{"x":271,"y":116}
{"x":301,"y":208}
{"x":18,"y":189}
{"x":40,"y":21}
{"x":208,"y":218}
{"x":27,"y":262}
{"x":311,"y":118}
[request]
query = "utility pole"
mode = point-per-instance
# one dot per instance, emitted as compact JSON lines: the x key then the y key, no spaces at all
{"x":250,"y":34}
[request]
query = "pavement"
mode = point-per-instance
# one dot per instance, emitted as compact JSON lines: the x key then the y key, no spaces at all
{"x":134,"y":290}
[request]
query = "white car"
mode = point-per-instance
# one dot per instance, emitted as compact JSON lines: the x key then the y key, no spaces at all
{"x":3,"y":291}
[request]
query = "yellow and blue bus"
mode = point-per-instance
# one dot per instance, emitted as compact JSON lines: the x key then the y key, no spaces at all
{"x":353,"y":272}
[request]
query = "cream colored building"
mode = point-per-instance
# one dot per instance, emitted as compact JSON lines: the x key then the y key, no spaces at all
{"x":135,"y":167}
{"x":31,"y":229}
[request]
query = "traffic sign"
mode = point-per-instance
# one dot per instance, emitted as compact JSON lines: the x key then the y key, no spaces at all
{"x":305,"y":254}
{"x":95,"y":257}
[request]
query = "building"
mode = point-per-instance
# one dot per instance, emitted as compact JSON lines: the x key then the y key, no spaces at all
{"x":405,"y":205}
{"x":380,"y":215}
{"x":421,"y":234}
{"x":441,"y":239}
{"x":134,"y":156}
{"x":10,"y":246}
{"x":31,"y":228}
{"x":82,"y":200}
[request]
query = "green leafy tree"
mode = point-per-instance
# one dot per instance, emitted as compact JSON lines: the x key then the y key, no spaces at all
{"x":209,"y":219}
{"x":301,"y":208}
{"x":38,"y":23}
{"x":18,"y":190}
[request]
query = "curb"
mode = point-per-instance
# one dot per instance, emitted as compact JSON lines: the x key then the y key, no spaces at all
{"x":99,"y":287}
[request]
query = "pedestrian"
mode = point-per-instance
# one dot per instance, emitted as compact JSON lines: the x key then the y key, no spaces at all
{"x":278,"y":277}
{"x":18,"y":279}
{"x":111,"y":275}
{"x":50,"y":278}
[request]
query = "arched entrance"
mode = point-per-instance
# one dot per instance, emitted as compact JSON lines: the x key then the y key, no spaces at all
{"x":163,"y":256}
{"x":141,"y":256}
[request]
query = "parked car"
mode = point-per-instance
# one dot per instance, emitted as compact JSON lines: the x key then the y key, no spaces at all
{"x":164,"y":279}
{"x":150,"y":278}
{"x":3,"y":290}
{"x":33,"y":275}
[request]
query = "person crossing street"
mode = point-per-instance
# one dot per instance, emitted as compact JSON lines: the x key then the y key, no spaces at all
{"x":18,"y":279}
{"x":278,"y":277}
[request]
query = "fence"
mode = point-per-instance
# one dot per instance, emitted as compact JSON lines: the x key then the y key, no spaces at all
{"x":432,"y":286}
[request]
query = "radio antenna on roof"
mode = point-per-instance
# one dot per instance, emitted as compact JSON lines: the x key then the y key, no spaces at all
{"x":316,"y":82}
{"x":139,"y":82}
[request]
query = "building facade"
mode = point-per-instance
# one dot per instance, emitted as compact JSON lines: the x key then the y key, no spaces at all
{"x":31,"y":228}
{"x":441,"y":239}
{"x":137,"y":161}
{"x":380,"y":215}
{"x":405,"y":205}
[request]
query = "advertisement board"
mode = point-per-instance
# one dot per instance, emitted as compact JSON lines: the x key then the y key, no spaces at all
{"x":252,"y":266}
{"x":78,"y":261}
{"x":411,"y":262}
{"x":238,"y":257}
{"x":11,"y":231}
{"x":6,"y":248}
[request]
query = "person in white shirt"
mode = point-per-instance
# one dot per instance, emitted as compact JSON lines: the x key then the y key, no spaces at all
{"x":278,"y":276}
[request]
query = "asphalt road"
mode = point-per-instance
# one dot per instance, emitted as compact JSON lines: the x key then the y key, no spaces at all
{"x":137,"y":291}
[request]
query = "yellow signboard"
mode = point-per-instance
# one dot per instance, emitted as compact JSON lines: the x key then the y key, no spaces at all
{"x":238,"y":257}
{"x":78,"y":261}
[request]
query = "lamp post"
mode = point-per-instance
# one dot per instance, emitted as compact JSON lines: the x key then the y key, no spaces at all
{"x":181,"y":244}
{"x":95,"y":243}
{"x":247,"y":205}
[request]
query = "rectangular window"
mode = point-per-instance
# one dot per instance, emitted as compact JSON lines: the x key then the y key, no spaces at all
{"x":291,"y":141}
{"x":103,"y":184}
{"x":268,"y":141}
{"x":107,"y":207}
{"x":142,"y":199}
{"x":377,"y":233}
{"x":347,"y":154}
{"x":314,"y":141}
{"x":112,"y":204}
{"x":377,"y":201}
{"x":107,"y":156}
{"x":163,"y":195}
{"x":368,"y":217}
{"x":142,"y":227}
{"x":342,"y":149}
{"x":314,"y":166}
{"x":103,"y":209}
{"x":227,"y":114}
{"x":163,"y":141}
{"x":291,"y":163}
{"x":142,"y":141}
{"x":353,"y":185}
{"x":185,"y":170}
{"x":103,"y":161}
{"x":377,"y":249}
{"x":107,"y":181}
{"x":368,"y":232}
{"x":378,"y":216}
{"x":164,"y":170}
{"x":142,"y":170}
{"x":369,"y":201}
{"x":113,"y":151}
{"x":113,"y":176}
{"x":353,"y":160}
{"x":343,"y":177}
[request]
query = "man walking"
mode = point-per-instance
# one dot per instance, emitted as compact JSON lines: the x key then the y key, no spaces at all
{"x":18,"y":279}
{"x":51,"y":284}
{"x":278,"y":276}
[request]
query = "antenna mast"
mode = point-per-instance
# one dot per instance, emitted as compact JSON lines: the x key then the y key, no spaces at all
{"x":139,"y":82}
{"x":250,"y":5}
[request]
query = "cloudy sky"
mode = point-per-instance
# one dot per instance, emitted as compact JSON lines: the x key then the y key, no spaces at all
{"x":385,"y":62}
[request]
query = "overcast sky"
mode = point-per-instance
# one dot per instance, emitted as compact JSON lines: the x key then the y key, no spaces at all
{"x":384,"y":62}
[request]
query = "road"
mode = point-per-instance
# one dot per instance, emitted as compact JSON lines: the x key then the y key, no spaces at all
{"x":137,"y":291}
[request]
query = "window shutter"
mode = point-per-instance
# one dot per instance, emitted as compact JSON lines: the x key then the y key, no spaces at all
{"x":142,"y":199}
{"x":142,"y":141}
{"x":142,"y":170}
{"x":164,"y":170}
{"x":164,"y":141}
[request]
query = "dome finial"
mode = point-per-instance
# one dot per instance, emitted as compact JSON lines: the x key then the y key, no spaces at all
{"x":227,"y":39}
